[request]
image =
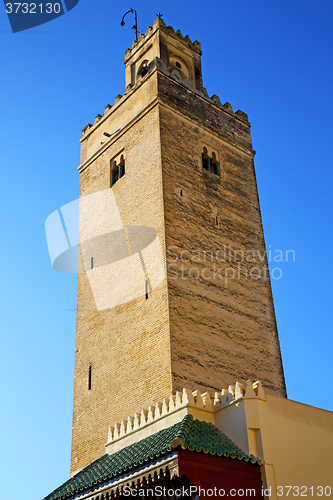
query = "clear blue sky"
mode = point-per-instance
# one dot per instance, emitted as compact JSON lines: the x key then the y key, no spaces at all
{"x":270,"y":58}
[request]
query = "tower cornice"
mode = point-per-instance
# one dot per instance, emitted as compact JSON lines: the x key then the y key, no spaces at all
{"x":104,"y":122}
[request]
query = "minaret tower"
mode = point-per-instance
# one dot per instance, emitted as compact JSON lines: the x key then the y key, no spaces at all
{"x":175,"y":290}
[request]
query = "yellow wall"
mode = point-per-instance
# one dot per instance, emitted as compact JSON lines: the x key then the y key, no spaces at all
{"x":295,"y":441}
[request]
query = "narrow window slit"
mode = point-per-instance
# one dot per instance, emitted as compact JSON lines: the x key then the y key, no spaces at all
{"x":181,"y":192}
{"x":204,"y":159}
{"x":146,"y":289}
{"x":92,"y":263}
{"x":217,"y":221}
{"x":89,"y":378}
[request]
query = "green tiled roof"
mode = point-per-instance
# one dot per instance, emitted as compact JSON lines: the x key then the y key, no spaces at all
{"x":190,"y":434}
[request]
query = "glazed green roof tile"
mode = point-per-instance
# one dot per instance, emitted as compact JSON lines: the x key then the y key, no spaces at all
{"x":190,"y":434}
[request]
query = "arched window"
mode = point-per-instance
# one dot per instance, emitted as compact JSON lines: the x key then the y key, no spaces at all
{"x":210,"y":163}
{"x":205,"y":159}
{"x":114,"y":172}
{"x":122,"y":165}
{"x":177,"y":62}
{"x":117,"y":169}
{"x":143,"y":68}
{"x":214,"y":165}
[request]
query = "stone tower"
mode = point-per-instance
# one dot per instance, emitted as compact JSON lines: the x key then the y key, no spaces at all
{"x":175,"y":168}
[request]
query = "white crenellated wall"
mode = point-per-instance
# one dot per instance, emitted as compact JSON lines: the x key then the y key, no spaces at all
{"x":170,"y":411}
{"x":295,"y":441}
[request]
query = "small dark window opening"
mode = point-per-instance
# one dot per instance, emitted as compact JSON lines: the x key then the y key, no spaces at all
{"x":216,"y":221}
{"x":214,"y":165}
{"x":210,"y":164}
{"x":181,"y":192}
{"x":205,"y":161}
{"x":89,"y":378}
{"x":114,"y":172}
{"x":121,"y":167}
{"x":114,"y":177}
{"x":92,"y":262}
{"x":146,"y":289}
{"x":118,"y":171}
{"x":143,"y":71}
{"x":178,"y":65}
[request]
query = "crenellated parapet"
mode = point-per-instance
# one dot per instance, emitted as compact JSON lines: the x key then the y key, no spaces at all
{"x":175,"y":75}
{"x":160,"y":24}
{"x":161,"y":48}
{"x":234,"y":393}
{"x":193,"y":45}
{"x":173,"y":409}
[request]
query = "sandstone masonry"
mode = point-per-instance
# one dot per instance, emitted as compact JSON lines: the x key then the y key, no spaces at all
{"x":199,"y":328}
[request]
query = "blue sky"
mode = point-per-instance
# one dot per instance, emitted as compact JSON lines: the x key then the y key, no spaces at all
{"x":269,"y":58}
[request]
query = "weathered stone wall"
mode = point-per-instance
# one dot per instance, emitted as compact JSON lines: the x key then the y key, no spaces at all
{"x":128,"y":345}
{"x":204,"y":332}
{"x":222,"y":320}
{"x":192,"y":104}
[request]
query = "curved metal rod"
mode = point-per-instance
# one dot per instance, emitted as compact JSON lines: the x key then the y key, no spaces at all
{"x":135,"y":27}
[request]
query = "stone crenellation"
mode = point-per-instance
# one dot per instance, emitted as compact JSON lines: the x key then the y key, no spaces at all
{"x":214,"y":99}
{"x":159,"y":23}
{"x":157,"y":63}
{"x":181,"y":400}
{"x":118,"y":97}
